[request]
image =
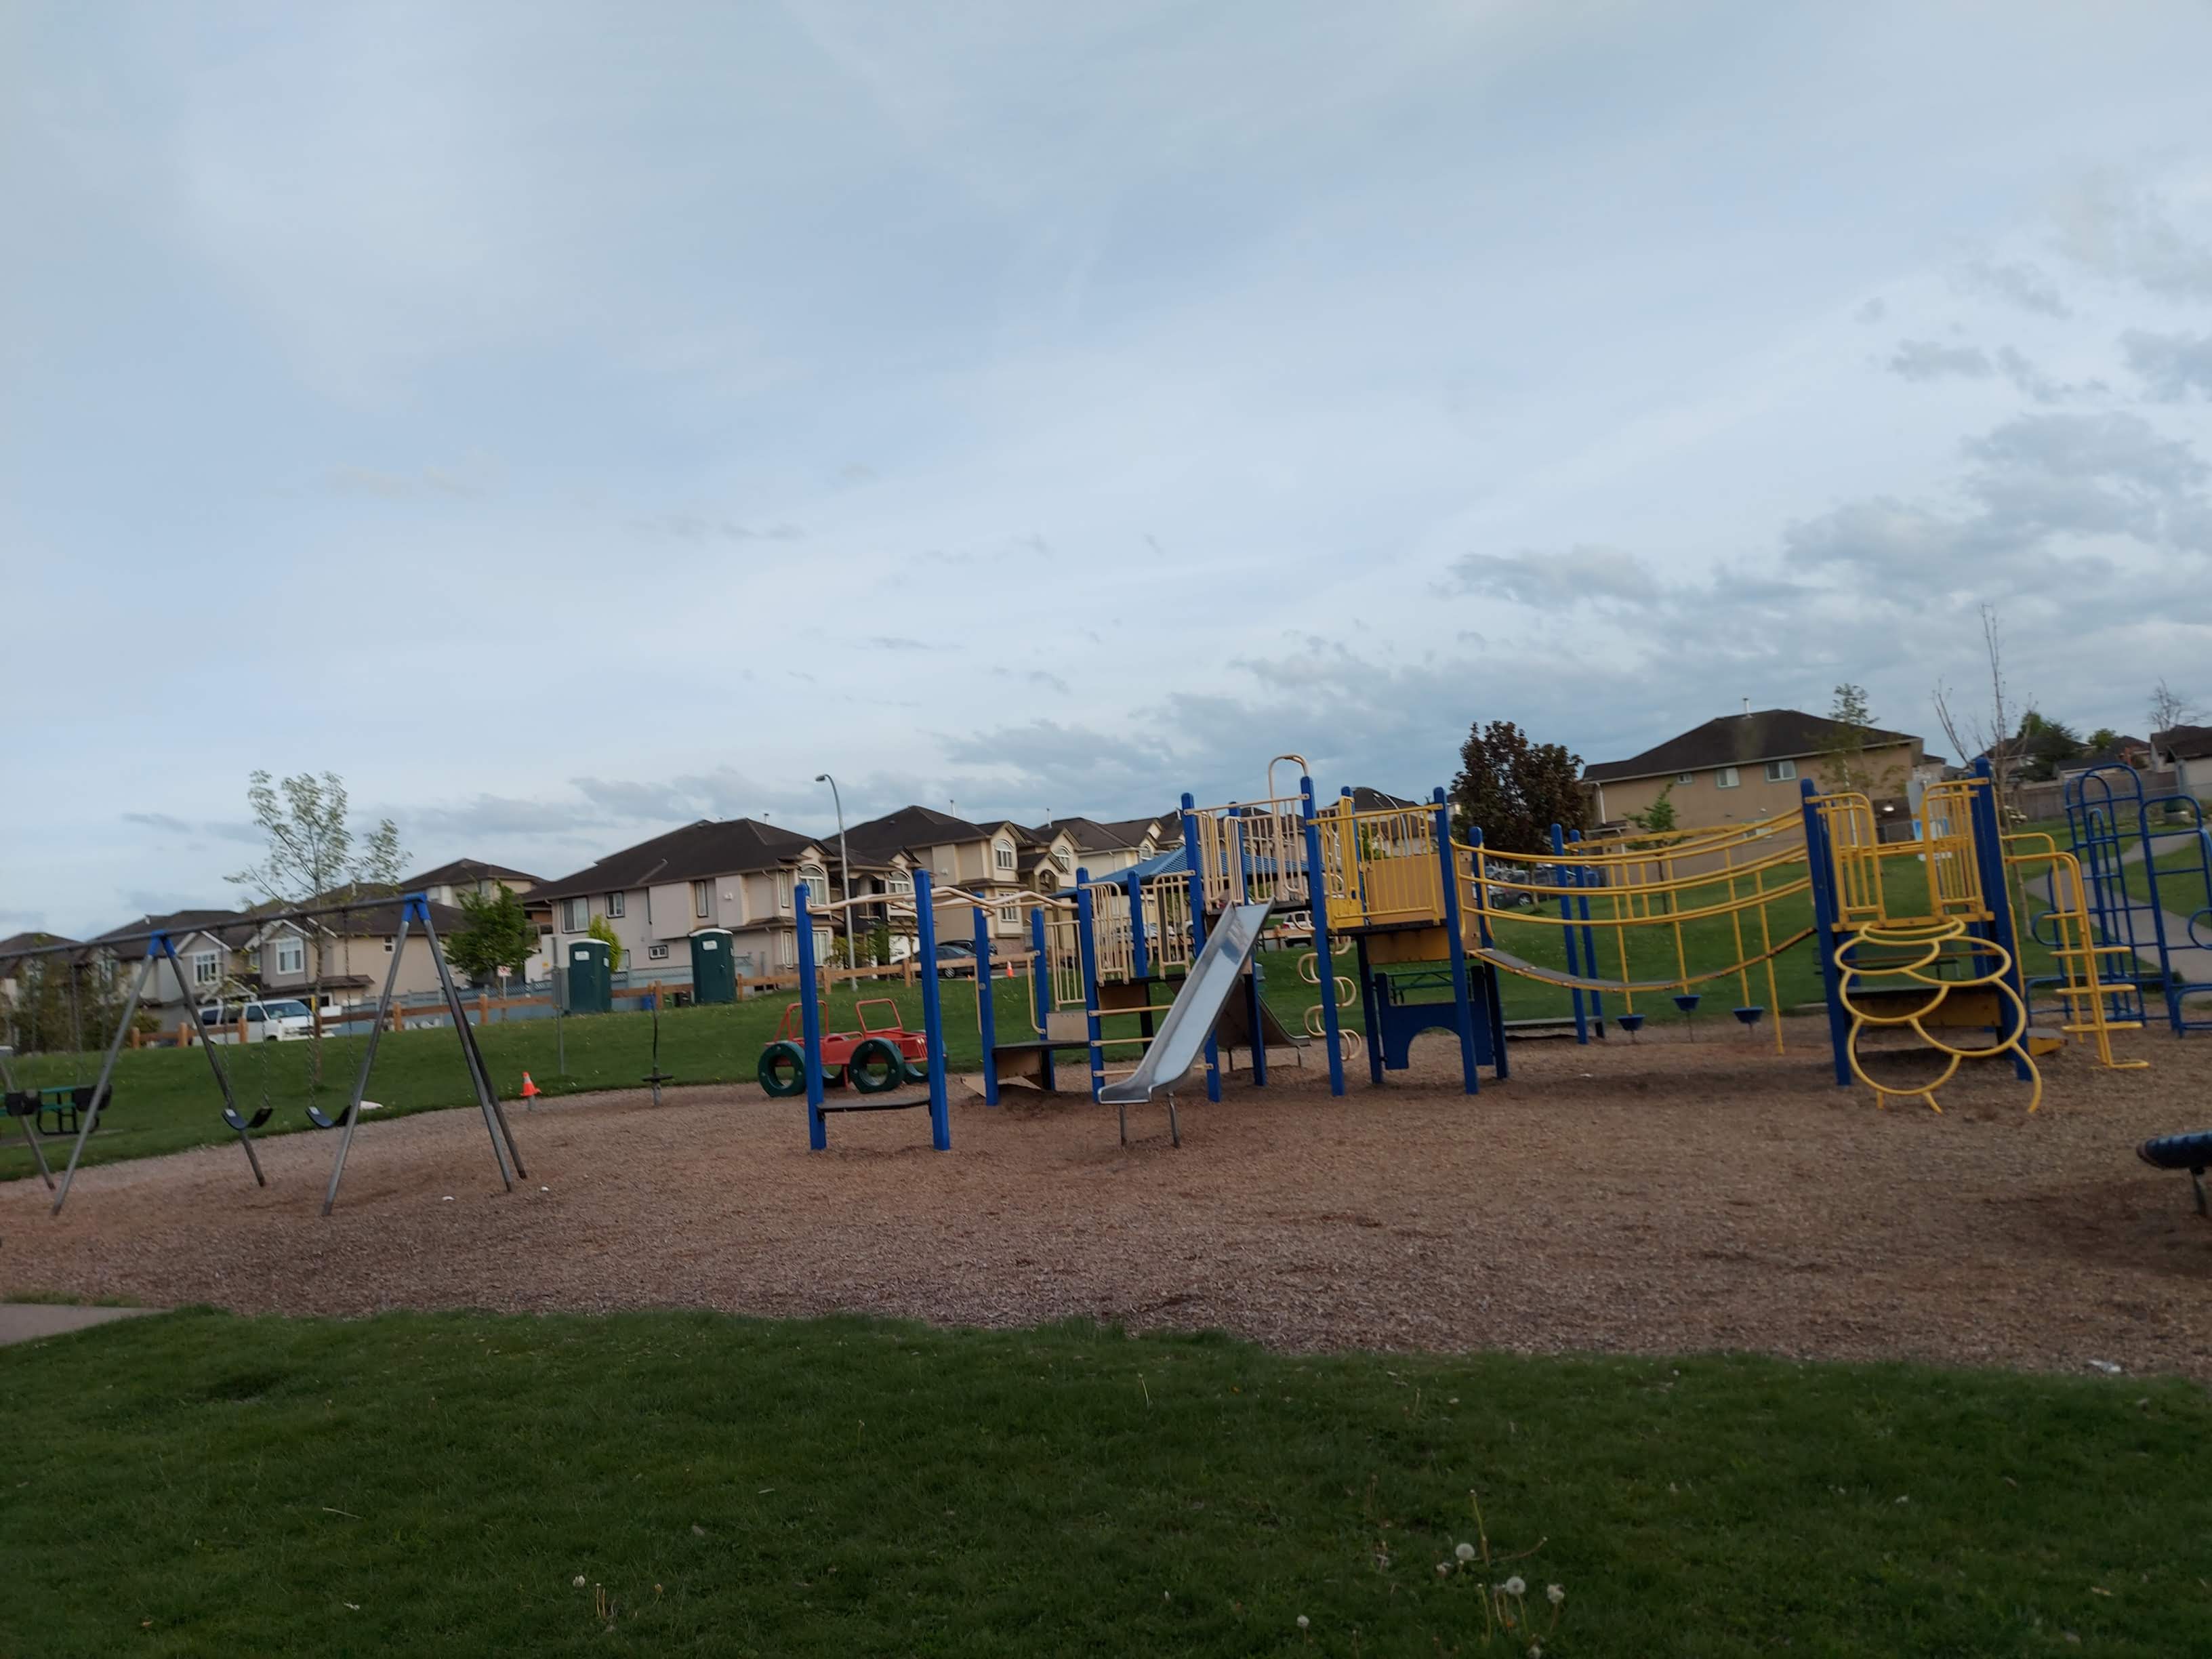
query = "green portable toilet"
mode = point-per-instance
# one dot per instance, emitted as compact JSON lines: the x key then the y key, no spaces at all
{"x":591,"y":980}
{"x":713,"y":966}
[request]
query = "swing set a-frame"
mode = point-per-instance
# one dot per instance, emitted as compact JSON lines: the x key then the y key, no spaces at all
{"x":414,"y":913}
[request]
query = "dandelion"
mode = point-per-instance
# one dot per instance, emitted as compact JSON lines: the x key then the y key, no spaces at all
{"x":1465,"y":1551}
{"x":1515,"y":1585}
{"x":1535,"y":1650}
{"x":577,"y":1581}
{"x":1555,"y":1594}
{"x":1303,"y":1622}
{"x":1443,"y":1569}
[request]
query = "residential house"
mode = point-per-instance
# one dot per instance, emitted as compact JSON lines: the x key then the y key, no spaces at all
{"x":1742,"y":768}
{"x":448,"y":882}
{"x":339,"y":960}
{"x":1101,"y":848}
{"x":983,"y":859}
{"x":2187,"y":750}
{"x":738,"y":874}
{"x":21,"y":974}
{"x":2121,"y":751}
{"x":211,"y":945}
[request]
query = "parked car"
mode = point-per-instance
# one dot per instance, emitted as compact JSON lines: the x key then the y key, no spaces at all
{"x":956,"y":959}
{"x":1511,"y":898}
{"x":274,"y":1020}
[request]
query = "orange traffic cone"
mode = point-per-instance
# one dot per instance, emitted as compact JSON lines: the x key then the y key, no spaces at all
{"x":529,"y":1091}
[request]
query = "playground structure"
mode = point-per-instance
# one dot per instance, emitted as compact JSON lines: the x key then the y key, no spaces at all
{"x":2116,"y":830}
{"x":1153,"y":971}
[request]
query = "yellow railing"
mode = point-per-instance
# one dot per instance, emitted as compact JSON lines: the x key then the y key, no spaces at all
{"x":2082,"y":960}
{"x":1253,"y":851}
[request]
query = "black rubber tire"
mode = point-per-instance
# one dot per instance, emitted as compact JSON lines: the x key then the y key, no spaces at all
{"x":774,"y":1081}
{"x":916,"y":1072}
{"x":875,"y":1068}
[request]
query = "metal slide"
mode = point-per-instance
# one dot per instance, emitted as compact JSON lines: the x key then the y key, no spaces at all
{"x":1213,"y":979}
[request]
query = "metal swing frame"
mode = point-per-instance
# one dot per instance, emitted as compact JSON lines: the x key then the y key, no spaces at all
{"x":415,"y":911}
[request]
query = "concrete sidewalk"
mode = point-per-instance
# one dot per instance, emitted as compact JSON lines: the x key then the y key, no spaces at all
{"x":29,"y":1322}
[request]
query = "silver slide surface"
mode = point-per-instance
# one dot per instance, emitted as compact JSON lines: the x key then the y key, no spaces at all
{"x":1212,"y":980}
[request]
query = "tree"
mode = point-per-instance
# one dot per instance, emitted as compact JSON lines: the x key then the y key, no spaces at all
{"x":2169,"y":708}
{"x":1972,"y":731}
{"x":602,"y":930}
{"x":1658,"y":818}
{"x":2042,"y":746}
{"x":312,"y":858}
{"x":497,"y":933}
{"x":1844,"y":766}
{"x":2102,"y":740}
{"x":1514,"y":791}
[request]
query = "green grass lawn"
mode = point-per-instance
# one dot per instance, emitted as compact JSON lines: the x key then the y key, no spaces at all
{"x":200,"y":1483}
{"x":2182,"y":887}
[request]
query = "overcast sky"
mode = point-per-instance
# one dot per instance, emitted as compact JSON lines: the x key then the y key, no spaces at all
{"x":568,"y":422}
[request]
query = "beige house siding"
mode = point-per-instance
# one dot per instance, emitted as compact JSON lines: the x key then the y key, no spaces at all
{"x":1700,"y":801}
{"x":366,"y":959}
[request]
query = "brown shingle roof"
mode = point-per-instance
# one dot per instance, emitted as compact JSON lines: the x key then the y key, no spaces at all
{"x":2183,"y":741}
{"x":461,"y":871}
{"x":712,"y":846}
{"x":1735,"y":740}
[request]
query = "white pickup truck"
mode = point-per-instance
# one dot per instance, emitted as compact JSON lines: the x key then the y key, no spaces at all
{"x":277,"y":1019}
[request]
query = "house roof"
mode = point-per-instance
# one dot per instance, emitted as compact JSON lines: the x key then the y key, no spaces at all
{"x":913,"y":826}
{"x":17,"y":945}
{"x":1737,"y":740}
{"x":712,"y":846}
{"x":1090,"y":836}
{"x":2183,"y":741}
{"x":1134,"y":830}
{"x":231,"y":928}
{"x":375,"y":918}
{"x":461,"y":871}
{"x":1365,"y":800}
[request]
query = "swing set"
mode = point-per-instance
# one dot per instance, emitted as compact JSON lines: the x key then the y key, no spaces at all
{"x":414,"y":911}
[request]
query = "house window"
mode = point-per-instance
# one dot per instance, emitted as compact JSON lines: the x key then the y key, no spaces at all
{"x":786,"y":949}
{"x":657,"y":953}
{"x":576,"y":915}
{"x":1064,"y":859}
{"x":1009,"y":915}
{"x":903,"y":884}
{"x":615,"y":905}
{"x":204,"y":967}
{"x":821,"y":944}
{"x":1686,"y":777}
{"x":291,"y":956}
{"x":701,"y":891}
{"x":783,"y":890}
{"x":817,"y":884}
{"x":1781,"y":771}
{"x":1724,"y":777}
{"x":1003,"y":852}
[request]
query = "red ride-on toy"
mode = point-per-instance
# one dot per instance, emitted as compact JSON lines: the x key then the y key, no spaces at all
{"x":873,"y":1060}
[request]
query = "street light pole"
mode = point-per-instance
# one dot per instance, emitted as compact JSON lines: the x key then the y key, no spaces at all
{"x":844,"y":868}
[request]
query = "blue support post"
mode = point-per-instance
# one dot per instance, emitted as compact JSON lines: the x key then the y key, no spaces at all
{"x":1997,"y":894}
{"x":1317,"y":904}
{"x":1041,"y":989}
{"x":1462,"y":1002}
{"x":1821,"y":867}
{"x":1492,"y":996}
{"x":1197,"y":869}
{"x":1560,"y":879}
{"x":1585,"y":878}
{"x":932,"y":1011}
{"x":1087,"y":952}
{"x":1256,"y":991}
{"x":987,"y":1012}
{"x":810,"y":1022}
{"x":1140,"y":959}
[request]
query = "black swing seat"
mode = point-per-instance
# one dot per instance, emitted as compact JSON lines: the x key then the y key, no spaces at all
{"x":21,"y":1103}
{"x":315,"y":1116}
{"x":869,"y":1104}
{"x":242,"y":1125}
